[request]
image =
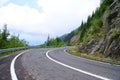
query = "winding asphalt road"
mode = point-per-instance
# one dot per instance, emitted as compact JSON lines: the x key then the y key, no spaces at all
{"x":56,"y":64}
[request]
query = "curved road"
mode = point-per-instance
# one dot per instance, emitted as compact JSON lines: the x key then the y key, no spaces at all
{"x":56,"y":64}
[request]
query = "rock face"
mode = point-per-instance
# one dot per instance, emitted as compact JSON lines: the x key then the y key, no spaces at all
{"x":110,"y":42}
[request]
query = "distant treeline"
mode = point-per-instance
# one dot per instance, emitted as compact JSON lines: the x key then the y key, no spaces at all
{"x":10,"y":41}
{"x":53,"y":42}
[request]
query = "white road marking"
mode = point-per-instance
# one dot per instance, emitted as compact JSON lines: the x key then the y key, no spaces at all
{"x":12,"y":67}
{"x":76,"y":69}
{"x":92,"y":60}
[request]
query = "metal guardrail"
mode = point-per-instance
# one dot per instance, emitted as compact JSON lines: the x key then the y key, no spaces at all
{"x":12,"y":49}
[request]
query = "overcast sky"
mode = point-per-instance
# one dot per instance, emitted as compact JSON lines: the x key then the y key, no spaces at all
{"x":34,"y":20}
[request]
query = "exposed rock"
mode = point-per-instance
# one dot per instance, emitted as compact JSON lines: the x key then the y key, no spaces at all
{"x":105,"y":21}
{"x":110,"y":42}
{"x":75,"y":39}
{"x":97,"y":48}
{"x":114,"y":48}
{"x":83,"y":48}
{"x":114,"y":14}
{"x":91,"y":42}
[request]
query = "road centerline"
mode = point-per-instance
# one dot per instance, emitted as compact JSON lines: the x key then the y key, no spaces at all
{"x":73,"y":68}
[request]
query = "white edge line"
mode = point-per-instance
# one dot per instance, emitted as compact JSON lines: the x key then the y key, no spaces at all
{"x":94,"y":60}
{"x":76,"y":69}
{"x":12,"y":66}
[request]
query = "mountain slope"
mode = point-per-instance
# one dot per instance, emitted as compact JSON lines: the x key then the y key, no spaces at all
{"x":101,"y":32}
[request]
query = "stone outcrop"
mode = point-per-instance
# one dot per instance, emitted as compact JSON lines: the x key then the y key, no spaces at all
{"x":110,"y":42}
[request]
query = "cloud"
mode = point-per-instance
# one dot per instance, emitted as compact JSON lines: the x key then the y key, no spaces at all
{"x":22,"y":20}
{"x":66,"y":15}
{"x":22,"y":16}
{"x":57,"y":18}
{"x":2,"y":2}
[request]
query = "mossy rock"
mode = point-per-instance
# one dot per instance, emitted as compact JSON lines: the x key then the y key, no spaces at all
{"x":114,"y":34}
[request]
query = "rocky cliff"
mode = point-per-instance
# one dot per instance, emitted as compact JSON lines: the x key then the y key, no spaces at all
{"x":109,"y":42}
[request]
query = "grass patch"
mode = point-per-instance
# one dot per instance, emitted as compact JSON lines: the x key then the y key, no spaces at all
{"x":8,"y":53}
{"x":97,"y":56}
{"x":5,"y":54}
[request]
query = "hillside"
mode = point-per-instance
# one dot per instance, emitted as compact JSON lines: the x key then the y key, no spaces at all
{"x":101,"y":32}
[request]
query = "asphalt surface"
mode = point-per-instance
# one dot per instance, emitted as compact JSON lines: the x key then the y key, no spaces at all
{"x":39,"y":67}
{"x":34,"y":65}
{"x":5,"y":63}
{"x":4,"y":68}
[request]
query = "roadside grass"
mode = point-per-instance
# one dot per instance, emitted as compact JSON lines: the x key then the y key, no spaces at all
{"x":11,"y":52}
{"x":97,"y":56}
{"x":5,"y":54}
{"x":8,"y":53}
